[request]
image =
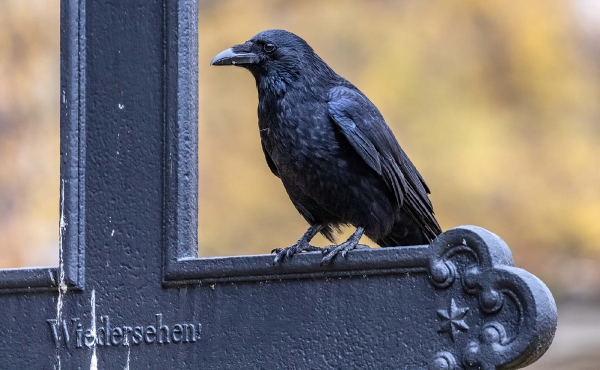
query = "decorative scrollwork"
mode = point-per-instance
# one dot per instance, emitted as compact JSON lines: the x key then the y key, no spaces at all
{"x":443,"y":361}
{"x":483,"y":264}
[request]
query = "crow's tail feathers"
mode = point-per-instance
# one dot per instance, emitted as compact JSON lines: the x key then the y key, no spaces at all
{"x":329,"y":232}
{"x":406,"y":232}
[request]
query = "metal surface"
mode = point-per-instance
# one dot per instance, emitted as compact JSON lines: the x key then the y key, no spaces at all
{"x":131,"y":293}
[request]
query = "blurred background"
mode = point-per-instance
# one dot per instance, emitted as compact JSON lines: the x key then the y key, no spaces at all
{"x":496,"y":102}
{"x":29,"y":132}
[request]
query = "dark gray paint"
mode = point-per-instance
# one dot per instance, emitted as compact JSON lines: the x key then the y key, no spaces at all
{"x":128,"y":252}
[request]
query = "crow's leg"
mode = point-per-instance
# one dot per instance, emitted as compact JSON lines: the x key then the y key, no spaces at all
{"x":301,"y":245}
{"x":331,"y":251}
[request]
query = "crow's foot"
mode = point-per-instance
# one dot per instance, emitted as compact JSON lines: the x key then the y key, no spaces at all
{"x":302,"y":245}
{"x":331,"y":251}
{"x":289,"y":252}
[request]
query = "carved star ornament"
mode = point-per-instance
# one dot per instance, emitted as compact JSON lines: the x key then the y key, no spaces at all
{"x":453,"y":320}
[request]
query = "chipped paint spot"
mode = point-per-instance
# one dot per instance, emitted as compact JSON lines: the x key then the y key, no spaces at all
{"x":51,"y":276}
{"x":62,"y":287}
{"x":94,"y":360}
{"x":94,"y":363}
{"x":121,"y":106}
{"x":112,"y":233}
{"x":128,"y":357}
{"x":93,"y":318}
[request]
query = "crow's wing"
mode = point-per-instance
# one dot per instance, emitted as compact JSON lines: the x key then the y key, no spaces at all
{"x":364,"y":127}
{"x":270,"y":162}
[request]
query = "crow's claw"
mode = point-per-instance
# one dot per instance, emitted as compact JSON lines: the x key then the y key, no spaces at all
{"x":290,"y":251}
{"x":331,"y":251}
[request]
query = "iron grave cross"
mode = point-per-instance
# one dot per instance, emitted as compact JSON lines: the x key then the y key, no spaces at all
{"x":130,"y":291}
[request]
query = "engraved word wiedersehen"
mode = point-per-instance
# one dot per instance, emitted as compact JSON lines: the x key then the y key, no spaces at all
{"x":74,"y":335}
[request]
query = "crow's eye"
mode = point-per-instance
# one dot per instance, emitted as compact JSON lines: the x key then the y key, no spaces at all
{"x":269,"y":48}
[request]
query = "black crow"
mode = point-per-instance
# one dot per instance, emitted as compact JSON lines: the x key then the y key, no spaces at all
{"x":336,"y":157}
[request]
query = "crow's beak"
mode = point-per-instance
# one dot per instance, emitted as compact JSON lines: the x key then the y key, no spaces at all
{"x":229,"y":57}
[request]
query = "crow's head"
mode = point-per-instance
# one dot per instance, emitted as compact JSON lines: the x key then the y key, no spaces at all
{"x":272,"y":53}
